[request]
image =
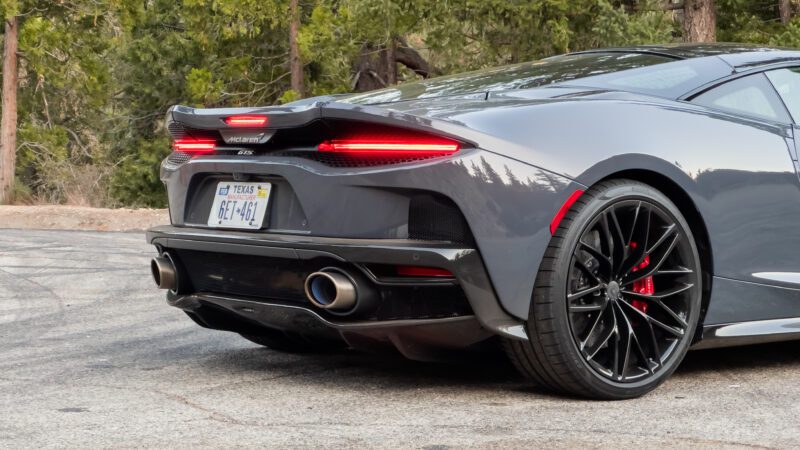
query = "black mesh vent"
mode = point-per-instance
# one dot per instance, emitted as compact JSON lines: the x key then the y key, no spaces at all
{"x":178,"y":158}
{"x":436,"y":218}
{"x":334,"y":160}
{"x":179,"y":131}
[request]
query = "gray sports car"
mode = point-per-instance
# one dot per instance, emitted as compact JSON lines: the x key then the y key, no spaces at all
{"x":598,"y":213}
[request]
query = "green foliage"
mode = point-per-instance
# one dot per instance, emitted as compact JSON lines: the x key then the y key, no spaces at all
{"x":137,"y":178}
{"x":97,"y":76}
{"x":614,"y":27}
{"x":788,"y":37}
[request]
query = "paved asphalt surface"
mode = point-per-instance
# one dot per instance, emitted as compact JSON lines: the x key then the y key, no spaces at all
{"x":91,"y":356}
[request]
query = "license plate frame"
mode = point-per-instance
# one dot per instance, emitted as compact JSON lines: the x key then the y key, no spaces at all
{"x":240,"y":205}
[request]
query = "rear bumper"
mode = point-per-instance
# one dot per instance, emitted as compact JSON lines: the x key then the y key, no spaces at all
{"x":464,"y":263}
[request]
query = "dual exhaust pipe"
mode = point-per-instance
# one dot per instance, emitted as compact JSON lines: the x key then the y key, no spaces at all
{"x":333,"y":289}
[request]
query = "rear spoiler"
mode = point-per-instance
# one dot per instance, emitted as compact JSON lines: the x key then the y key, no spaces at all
{"x":214,"y":118}
{"x":299,"y":116}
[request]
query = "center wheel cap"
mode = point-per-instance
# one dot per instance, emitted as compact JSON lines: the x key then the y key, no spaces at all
{"x":612,"y":290}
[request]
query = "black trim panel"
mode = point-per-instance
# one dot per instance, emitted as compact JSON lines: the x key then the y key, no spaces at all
{"x":464,"y":263}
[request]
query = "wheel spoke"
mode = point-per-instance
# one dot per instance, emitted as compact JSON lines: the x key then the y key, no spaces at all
{"x":633,"y":224}
{"x":584,"y":293}
{"x":583,"y":268}
{"x":655,"y":264}
{"x":598,"y":343}
{"x":586,"y":308}
{"x":671,"y":330}
{"x":654,"y":342}
{"x":617,"y":339}
{"x":667,"y":233}
{"x":675,"y":271}
{"x":628,"y":343}
{"x":639,"y":234}
{"x":615,"y":243}
{"x":683,"y":287}
{"x":603,"y":260}
{"x":618,"y":237}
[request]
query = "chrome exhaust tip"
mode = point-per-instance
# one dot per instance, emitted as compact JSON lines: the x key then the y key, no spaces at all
{"x":331,"y":289}
{"x":164,"y":272}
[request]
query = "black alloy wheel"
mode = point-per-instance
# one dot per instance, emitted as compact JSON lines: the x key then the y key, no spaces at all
{"x":617,"y":298}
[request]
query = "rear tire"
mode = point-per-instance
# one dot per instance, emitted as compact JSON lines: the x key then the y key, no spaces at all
{"x":288,"y":342}
{"x":617,"y":297}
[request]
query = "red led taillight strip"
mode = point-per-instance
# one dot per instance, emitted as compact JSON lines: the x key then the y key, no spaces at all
{"x":246,"y":121}
{"x":390,"y":147}
{"x":195,"y":146}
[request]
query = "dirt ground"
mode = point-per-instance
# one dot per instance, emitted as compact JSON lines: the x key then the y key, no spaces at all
{"x":59,"y":217}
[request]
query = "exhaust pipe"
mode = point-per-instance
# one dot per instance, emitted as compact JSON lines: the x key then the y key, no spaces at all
{"x":339,"y":292}
{"x":165,"y":274}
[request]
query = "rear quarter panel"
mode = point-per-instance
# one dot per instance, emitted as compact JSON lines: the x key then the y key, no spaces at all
{"x":739,"y":173}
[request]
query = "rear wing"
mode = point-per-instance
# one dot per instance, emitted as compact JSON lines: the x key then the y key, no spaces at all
{"x":304,"y":115}
{"x":312,"y":129}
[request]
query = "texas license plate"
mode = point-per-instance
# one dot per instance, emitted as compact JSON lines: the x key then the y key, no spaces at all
{"x":239,"y":205}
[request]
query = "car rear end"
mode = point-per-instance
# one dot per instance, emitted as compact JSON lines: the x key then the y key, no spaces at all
{"x":329,"y":221}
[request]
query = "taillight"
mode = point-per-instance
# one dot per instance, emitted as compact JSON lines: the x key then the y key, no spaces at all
{"x":195,"y":146}
{"x":390,"y":146}
{"x":246,"y":121}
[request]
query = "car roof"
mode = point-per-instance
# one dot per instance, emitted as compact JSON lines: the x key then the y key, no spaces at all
{"x":738,"y":56}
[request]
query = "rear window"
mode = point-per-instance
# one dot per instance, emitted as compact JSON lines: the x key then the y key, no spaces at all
{"x":519,"y":76}
{"x":671,"y":80}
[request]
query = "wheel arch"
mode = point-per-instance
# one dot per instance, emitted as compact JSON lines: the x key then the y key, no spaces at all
{"x":692,"y":215}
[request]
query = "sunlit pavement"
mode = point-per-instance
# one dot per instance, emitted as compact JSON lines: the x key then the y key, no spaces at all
{"x":90,"y":355}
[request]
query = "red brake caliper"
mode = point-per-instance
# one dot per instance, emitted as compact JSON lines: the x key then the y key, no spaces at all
{"x":643,"y":286}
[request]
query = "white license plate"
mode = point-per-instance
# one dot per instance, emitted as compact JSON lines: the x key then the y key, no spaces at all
{"x":239,"y":205}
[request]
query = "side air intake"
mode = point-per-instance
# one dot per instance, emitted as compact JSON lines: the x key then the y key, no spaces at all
{"x":434,"y":217}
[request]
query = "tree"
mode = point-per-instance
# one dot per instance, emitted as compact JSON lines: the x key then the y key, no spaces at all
{"x":295,"y":63}
{"x":785,"y":11}
{"x":8,"y":123}
{"x":700,"y":21}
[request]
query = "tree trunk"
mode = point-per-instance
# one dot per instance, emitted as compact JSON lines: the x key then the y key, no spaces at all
{"x":377,"y":66}
{"x":785,"y":10}
{"x":411,"y":58}
{"x":295,"y":64}
{"x":391,"y":62}
{"x":700,"y":21}
{"x":371,"y":69}
{"x":8,"y":122}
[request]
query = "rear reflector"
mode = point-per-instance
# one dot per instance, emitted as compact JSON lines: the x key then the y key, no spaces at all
{"x":194,"y":145}
{"x":246,"y":121}
{"x":427,"y":272}
{"x":563,"y":210}
{"x":390,"y":147}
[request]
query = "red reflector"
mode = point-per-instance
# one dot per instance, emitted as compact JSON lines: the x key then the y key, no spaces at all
{"x":390,"y":147}
{"x":563,"y":210}
{"x":194,"y":145}
{"x":246,"y":121}
{"x":416,"y":271}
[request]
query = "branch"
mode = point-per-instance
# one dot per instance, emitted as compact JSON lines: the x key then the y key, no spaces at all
{"x":414,"y":61}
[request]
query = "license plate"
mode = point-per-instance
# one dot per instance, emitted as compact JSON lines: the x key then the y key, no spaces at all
{"x":239,"y":205}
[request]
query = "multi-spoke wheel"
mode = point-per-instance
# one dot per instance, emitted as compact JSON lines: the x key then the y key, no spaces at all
{"x":617,"y":297}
